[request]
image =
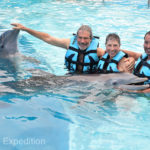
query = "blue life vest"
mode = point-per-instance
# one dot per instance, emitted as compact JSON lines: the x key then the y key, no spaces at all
{"x":142,"y":67}
{"x":90,"y":59}
{"x":107,"y":65}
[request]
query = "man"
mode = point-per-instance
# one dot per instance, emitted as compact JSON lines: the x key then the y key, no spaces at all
{"x":142,"y":66}
{"x":82,"y":49}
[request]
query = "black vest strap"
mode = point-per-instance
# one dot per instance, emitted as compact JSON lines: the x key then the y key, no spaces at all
{"x":137,"y":69}
{"x":146,"y":64}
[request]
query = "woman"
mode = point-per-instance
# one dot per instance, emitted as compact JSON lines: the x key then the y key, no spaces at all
{"x":114,"y":60}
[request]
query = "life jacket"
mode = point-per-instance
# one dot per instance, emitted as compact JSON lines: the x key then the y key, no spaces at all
{"x":142,"y":67}
{"x":107,"y":65}
{"x":90,"y":58}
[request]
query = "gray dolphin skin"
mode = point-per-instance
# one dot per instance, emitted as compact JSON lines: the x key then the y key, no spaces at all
{"x":10,"y":57}
{"x":42,"y":80}
{"x":8,"y":43}
{"x":124,"y":81}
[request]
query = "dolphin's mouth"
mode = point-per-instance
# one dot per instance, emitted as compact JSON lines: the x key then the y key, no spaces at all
{"x":135,"y":85}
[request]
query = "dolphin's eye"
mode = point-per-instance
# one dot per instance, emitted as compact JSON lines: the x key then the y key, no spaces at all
{"x":114,"y":83}
{"x":2,"y":46}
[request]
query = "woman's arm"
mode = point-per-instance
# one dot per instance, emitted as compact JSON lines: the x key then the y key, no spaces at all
{"x":135,"y":55}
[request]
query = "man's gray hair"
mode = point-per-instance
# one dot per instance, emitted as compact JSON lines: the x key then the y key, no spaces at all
{"x":86,"y":28}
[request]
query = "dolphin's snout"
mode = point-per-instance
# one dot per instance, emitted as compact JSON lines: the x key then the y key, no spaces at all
{"x":137,"y":81}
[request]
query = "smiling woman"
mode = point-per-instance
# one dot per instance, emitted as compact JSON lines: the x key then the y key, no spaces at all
{"x":112,"y":44}
{"x":114,"y":60}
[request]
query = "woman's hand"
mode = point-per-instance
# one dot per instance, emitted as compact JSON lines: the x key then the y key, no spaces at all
{"x":126,"y":64}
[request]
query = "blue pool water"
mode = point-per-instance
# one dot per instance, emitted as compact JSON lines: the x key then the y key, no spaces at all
{"x":48,"y":120}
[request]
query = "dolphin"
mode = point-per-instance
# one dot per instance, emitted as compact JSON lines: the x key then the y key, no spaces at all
{"x":41,"y":81}
{"x":10,"y":57}
{"x":9,"y":46}
{"x":8,"y":43}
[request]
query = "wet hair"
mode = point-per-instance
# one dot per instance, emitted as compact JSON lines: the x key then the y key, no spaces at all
{"x":113,"y":36}
{"x":86,"y":28}
{"x":146,"y":34}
